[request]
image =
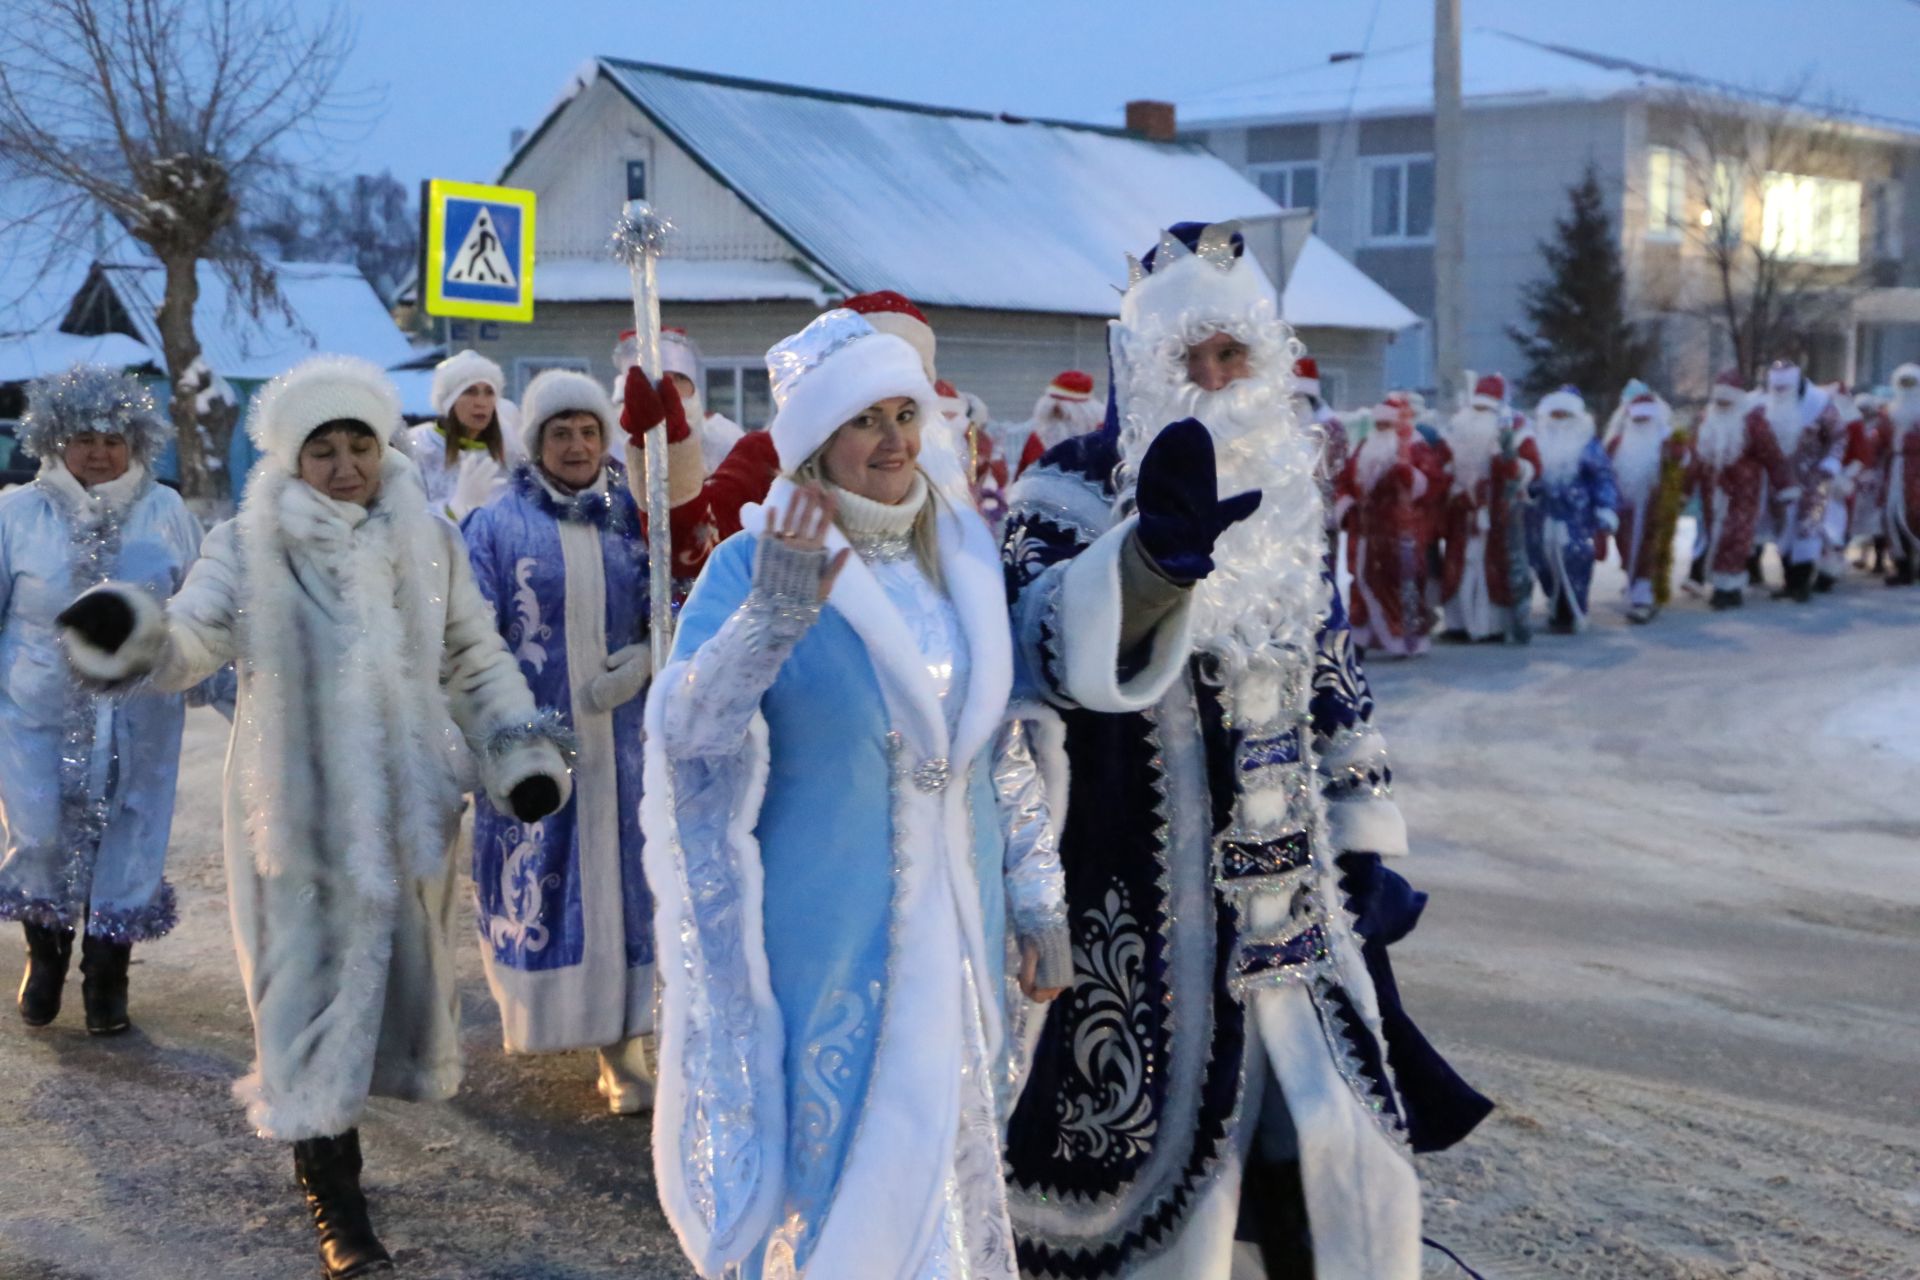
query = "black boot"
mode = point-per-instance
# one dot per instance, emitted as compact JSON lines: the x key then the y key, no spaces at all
{"x":329,"y":1172}
{"x":1823,"y":582}
{"x":1799,"y":588}
{"x":103,"y":984}
{"x":49,"y":951}
{"x":1756,"y":575}
{"x":1902,"y":574}
{"x":1725,"y":599}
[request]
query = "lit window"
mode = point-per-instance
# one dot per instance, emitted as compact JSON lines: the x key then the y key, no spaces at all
{"x":1666,"y":193}
{"x":1401,"y":199}
{"x":1811,"y":219}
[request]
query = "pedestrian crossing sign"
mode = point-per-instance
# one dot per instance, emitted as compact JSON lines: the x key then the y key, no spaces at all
{"x":479,"y":247}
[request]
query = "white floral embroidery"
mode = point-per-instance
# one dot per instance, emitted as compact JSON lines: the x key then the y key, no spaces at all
{"x":528,"y":630}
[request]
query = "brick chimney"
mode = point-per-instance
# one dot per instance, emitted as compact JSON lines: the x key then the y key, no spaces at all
{"x":1150,"y":119}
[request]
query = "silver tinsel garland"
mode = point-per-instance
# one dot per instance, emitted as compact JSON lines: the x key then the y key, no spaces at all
{"x":91,"y":398}
{"x":637,"y":232}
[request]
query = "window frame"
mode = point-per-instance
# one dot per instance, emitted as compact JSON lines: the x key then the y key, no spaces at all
{"x":739,"y":367}
{"x":1291,"y":170}
{"x":1673,"y":230}
{"x":527,"y":368}
{"x":646,"y":177}
{"x":1403,"y":164}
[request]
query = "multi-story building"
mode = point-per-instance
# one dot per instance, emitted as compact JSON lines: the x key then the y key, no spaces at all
{"x":1693,"y":172}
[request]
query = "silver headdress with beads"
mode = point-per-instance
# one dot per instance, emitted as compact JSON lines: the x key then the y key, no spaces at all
{"x":92,"y":398}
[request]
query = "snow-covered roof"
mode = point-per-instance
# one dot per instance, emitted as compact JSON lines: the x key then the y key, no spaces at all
{"x":953,"y":208}
{"x":333,"y":308}
{"x":34,"y":355}
{"x":1325,"y":291}
{"x":681,"y":280}
{"x":1497,"y":69}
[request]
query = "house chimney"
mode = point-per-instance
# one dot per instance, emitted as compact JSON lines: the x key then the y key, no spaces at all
{"x":1150,"y":119}
{"x":515,"y":138}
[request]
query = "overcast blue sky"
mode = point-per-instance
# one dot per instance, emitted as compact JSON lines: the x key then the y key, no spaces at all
{"x":457,"y":78}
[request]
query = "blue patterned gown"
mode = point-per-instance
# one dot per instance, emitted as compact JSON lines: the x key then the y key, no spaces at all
{"x":1566,"y":512}
{"x":564,"y":913}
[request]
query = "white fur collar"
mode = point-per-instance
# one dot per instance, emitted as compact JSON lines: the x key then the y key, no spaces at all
{"x":90,"y":506}
{"x":970,"y":568}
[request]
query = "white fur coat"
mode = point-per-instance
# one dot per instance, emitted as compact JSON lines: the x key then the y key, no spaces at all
{"x":371,"y":681}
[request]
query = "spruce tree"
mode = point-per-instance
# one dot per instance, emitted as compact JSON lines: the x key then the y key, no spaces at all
{"x":1578,"y":333}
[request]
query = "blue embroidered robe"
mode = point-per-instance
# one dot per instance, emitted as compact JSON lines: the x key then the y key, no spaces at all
{"x":564,"y":912}
{"x":842,"y":906}
{"x":1136,"y":1088}
{"x":1564,"y":516}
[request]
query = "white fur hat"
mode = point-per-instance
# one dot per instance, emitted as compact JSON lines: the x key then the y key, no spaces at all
{"x":680,"y":354}
{"x":459,"y":371}
{"x":317,"y":391}
{"x":831,"y":370}
{"x":1565,"y":399}
{"x":562,"y":391}
{"x":1197,"y":272}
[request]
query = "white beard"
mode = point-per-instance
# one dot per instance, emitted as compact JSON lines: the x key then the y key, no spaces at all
{"x":1784,"y":416}
{"x":1062,"y":420}
{"x":1474,"y":436}
{"x":1378,"y":452}
{"x":1904,"y":409}
{"x":1561,"y":447}
{"x":1266,"y":596}
{"x":1636,"y":461}
{"x":1722,"y":437}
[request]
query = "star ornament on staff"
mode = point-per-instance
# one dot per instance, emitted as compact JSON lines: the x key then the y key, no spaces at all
{"x":639,"y":236}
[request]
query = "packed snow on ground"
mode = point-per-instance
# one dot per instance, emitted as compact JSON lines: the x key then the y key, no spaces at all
{"x":1674,"y":932}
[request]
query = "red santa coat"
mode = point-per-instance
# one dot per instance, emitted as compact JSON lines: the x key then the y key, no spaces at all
{"x":1732,"y":496}
{"x":1868,"y":454}
{"x":1391,"y":515}
{"x":1820,"y":441}
{"x":1903,"y":481}
{"x":1467,"y":497}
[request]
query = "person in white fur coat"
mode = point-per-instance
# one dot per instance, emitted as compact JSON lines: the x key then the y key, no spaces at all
{"x":373,"y":691}
{"x":466,"y":454}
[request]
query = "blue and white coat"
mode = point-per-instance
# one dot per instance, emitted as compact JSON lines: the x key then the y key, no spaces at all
{"x":566,"y":922}
{"x":823,"y":837}
{"x":1574,"y":498}
{"x":86,"y":779}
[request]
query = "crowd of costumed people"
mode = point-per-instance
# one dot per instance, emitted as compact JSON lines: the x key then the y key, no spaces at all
{"x":998,"y":875}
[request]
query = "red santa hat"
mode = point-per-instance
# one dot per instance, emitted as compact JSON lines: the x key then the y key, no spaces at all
{"x":1306,"y":376}
{"x":891,"y":313}
{"x":952,"y":403}
{"x":1731,"y":378}
{"x":1644,"y":406}
{"x":1071,"y":385}
{"x":1490,"y":392}
{"x":829,"y":372}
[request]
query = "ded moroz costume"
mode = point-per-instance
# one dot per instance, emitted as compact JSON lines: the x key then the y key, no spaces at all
{"x":1233,"y":1031}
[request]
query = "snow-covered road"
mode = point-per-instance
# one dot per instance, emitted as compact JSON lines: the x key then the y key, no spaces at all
{"x":1675,"y":931}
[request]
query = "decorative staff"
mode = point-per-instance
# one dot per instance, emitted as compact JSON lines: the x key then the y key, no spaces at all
{"x":639,"y":235}
{"x":1519,"y":571}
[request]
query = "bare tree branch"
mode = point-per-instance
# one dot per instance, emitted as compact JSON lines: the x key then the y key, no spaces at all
{"x":171,"y":115}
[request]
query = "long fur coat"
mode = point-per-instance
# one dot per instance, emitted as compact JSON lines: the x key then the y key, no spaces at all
{"x":373,"y":688}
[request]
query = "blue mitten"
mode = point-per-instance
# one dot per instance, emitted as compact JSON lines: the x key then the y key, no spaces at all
{"x":1181,"y":514}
